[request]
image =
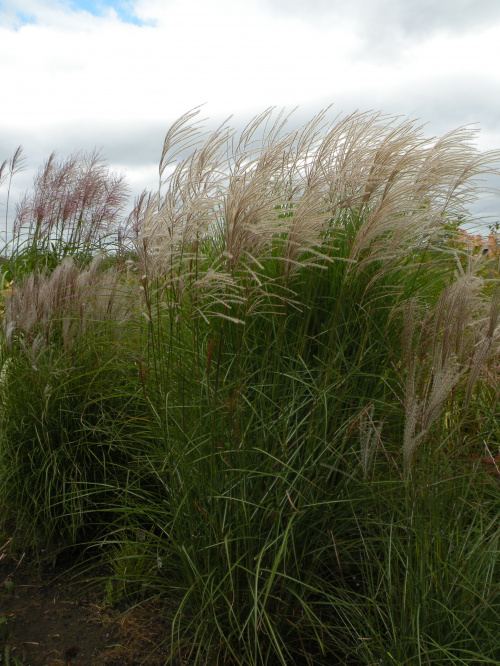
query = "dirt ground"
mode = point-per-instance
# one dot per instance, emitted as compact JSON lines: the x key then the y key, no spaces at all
{"x":50,"y":616}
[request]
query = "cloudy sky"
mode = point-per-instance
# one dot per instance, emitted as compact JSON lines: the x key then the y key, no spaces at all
{"x":114,"y":74}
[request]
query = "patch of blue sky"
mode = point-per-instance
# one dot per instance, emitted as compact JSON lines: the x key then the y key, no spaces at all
{"x":23,"y":18}
{"x":123,"y":9}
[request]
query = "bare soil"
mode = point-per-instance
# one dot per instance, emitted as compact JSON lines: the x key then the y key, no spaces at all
{"x":51,"y":615}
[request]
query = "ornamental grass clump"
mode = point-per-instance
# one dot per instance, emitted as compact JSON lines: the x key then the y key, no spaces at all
{"x":275,"y":416}
{"x":281,"y":270}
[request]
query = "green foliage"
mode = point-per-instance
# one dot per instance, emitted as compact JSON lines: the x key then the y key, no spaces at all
{"x":69,"y":425}
{"x":427,"y":559}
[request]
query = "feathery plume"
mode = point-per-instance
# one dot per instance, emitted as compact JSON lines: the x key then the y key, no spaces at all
{"x":227,"y":204}
{"x":77,"y":201}
{"x":454,"y":342}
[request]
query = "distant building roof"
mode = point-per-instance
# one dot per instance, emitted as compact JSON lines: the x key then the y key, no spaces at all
{"x":489,"y":244}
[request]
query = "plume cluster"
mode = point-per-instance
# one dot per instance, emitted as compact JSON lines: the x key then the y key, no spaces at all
{"x":450,"y":344}
{"x":78,"y":298}
{"x":77,"y":201}
{"x":227,"y":204}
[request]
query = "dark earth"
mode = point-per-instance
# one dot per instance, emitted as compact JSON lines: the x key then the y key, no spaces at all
{"x":50,"y":614}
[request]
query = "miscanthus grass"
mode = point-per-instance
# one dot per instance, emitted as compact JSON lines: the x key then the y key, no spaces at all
{"x":272,"y":400}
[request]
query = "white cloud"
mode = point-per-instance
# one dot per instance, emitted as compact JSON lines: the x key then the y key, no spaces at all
{"x":199,"y":52}
{"x":385,"y":19}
